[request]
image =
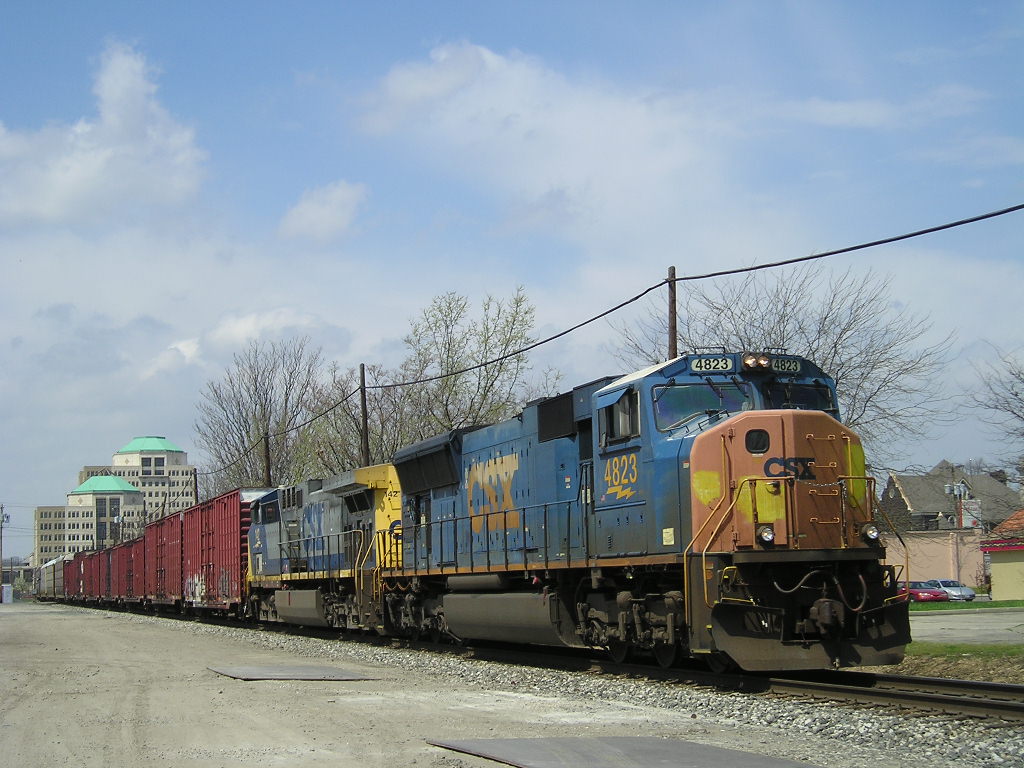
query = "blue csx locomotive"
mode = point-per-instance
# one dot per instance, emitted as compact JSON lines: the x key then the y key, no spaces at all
{"x":710,"y":506}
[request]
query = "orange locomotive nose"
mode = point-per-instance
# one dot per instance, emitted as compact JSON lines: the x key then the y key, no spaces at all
{"x":781,"y":479}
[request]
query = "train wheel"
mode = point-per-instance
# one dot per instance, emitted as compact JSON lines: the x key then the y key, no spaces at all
{"x":618,"y":651}
{"x":666,"y":654}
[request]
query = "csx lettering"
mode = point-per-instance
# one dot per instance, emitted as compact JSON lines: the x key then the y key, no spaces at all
{"x":799,"y":468}
{"x":494,"y":480}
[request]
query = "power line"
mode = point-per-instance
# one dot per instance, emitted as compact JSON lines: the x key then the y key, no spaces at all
{"x":708,"y":275}
{"x":634,"y":299}
{"x":852,"y":248}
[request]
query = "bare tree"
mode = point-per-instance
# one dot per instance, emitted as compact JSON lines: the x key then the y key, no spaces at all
{"x":449,"y":345}
{"x":267,"y":390}
{"x":885,"y":375}
{"x":1002,"y":394}
{"x":461,"y":369}
{"x":335,"y":436}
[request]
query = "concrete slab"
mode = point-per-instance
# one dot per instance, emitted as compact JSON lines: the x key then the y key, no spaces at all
{"x":289,"y":672}
{"x":984,"y":626}
{"x":611,"y":752}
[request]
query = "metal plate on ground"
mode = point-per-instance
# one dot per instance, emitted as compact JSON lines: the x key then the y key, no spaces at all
{"x":611,"y":752}
{"x":285,"y":672}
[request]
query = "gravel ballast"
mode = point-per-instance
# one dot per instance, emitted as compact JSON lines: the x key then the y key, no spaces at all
{"x":99,"y":689}
{"x":835,"y":736}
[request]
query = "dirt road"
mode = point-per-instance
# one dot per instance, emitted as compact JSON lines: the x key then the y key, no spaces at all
{"x":83,"y":687}
{"x":90,"y":688}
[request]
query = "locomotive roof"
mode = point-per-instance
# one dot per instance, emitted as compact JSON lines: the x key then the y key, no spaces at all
{"x":675,"y":367}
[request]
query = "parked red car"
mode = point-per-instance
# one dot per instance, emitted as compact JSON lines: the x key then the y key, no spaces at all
{"x":921,"y":591}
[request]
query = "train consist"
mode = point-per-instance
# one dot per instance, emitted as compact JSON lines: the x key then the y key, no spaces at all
{"x":712,"y":506}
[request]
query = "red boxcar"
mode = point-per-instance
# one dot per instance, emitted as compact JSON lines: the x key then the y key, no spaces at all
{"x":135,"y":586}
{"x":94,"y":575}
{"x":163,"y":560}
{"x":120,"y":566}
{"x":74,"y":577}
{"x":215,"y":550}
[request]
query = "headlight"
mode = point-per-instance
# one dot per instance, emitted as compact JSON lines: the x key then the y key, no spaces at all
{"x":870,"y":532}
{"x":766,"y":534}
{"x":754,"y":360}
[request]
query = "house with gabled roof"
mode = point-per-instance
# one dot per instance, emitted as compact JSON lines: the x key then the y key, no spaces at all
{"x":1005,"y":549}
{"x":939,"y":519}
{"x":949,"y":497}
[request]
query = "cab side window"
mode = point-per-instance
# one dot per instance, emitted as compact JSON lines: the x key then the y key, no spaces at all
{"x":621,"y":420}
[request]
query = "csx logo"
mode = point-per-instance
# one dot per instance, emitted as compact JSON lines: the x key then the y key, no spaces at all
{"x":796,"y":467}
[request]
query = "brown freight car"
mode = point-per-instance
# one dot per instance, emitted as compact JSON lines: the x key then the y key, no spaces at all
{"x":215,"y":552}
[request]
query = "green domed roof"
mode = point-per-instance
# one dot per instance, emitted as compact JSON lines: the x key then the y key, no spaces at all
{"x":150,"y":443}
{"x":105,"y":484}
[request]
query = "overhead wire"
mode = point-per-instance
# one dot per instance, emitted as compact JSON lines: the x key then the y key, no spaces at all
{"x":612,"y":310}
{"x":634,"y":299}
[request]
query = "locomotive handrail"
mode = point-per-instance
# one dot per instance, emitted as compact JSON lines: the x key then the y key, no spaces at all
{"x":752,"y":481}
{"x":360,"y":551}
{"x":491,"y":556}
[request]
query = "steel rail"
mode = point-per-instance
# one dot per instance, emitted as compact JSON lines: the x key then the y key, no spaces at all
{"x":970,"y":698}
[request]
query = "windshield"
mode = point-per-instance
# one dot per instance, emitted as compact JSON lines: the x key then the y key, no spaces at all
{"x":806,"y":397}
{"x":679,"y":403}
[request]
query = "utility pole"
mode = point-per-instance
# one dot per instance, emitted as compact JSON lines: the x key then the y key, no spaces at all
{"x":673,"y":343}
{"x":364,"y":437}
{"x":3,"y":519}
{"x":266,"y":461}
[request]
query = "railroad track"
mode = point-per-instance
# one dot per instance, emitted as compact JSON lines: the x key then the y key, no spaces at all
{"x":970,"y":698}
{"x":957,"y":698}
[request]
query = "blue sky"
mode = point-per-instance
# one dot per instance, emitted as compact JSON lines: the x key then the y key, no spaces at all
{"x":177,"y":179}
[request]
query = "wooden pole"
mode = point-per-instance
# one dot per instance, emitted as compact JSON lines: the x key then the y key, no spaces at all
{"x":365,"y":423}
{"x":266,"y":461}
{"x":673,"y":343}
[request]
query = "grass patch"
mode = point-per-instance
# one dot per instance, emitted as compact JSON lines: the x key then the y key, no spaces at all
{"x":966,"y":649}
{"x":974,"y":605}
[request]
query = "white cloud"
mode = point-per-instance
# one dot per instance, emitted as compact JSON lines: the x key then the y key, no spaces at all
{"x":238,"y":330}
{"x":132,"y":154}
{"x":325,"y":213}
{"x":178,"y":354}
{"x":939,"y":103}
{"x":984,"y":151}
{"x":582,"y":158}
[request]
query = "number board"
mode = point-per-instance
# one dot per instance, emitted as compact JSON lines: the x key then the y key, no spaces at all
{"x":711,"y":364}
{"x":786,"y":364}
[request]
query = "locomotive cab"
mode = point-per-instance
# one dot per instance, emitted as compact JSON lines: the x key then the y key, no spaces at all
{"x":737,"y":464}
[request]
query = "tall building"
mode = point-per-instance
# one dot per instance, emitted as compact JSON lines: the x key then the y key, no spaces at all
{"x":49,"y":531}
{"x":147,"y":479}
